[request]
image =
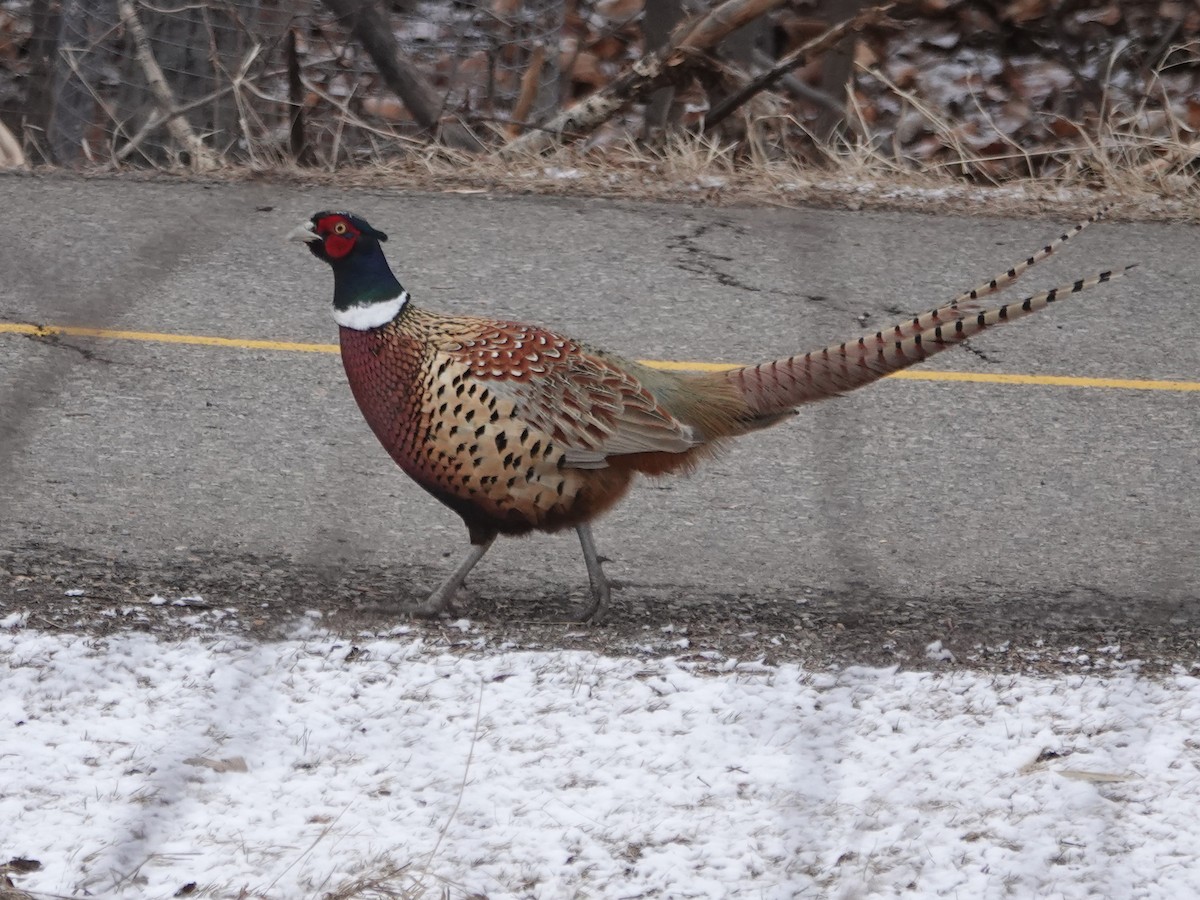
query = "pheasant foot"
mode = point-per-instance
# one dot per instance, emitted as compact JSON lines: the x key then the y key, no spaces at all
{"x":441,"y":601}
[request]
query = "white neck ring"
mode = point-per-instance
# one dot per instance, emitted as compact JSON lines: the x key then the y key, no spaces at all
{"x":370,"y":315}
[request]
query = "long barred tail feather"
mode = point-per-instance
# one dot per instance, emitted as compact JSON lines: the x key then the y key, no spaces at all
{"x":999,"y":282}
{"x":967,"y":301}
{"x":775,"y":387}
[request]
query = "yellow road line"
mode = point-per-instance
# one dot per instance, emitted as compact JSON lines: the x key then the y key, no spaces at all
{"x":1127,"y":384}
{"x":1130,"y":384}
{"x":156,"y":337}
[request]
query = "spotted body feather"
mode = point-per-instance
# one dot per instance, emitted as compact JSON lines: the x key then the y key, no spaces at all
{"x":517,"y":428}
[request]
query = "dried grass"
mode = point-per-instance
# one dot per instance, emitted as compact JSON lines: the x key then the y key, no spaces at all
{"x":388,"y":881}
{"x":1146,"y":168}
{"x":1143,"y":161}
{"x":1145,"y":176}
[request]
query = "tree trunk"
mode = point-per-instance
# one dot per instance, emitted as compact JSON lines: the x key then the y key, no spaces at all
{"x":77,"y":67}
{"x":660,"y":19}
{"x":836,"y":70}
{"x":371,"y":28}
{"x":43,"y":49}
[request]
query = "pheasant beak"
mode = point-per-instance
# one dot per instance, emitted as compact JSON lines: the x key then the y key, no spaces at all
{"x":304,"y":232}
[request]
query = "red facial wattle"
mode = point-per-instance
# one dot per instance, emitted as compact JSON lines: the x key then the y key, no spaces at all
{"x":338,"y":236}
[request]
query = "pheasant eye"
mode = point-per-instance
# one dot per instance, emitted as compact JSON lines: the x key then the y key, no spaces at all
{"x":339,"y":228}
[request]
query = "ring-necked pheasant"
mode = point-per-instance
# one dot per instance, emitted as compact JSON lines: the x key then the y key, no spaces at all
{"x":517,"y":428}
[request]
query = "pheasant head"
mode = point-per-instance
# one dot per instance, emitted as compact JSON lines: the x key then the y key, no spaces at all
{"x":365,"y":292}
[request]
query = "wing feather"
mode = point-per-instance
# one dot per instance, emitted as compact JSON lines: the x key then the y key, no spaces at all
{"x":591,"y":402}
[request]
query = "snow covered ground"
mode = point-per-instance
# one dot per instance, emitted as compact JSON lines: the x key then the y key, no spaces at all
{"x":135,"y":767}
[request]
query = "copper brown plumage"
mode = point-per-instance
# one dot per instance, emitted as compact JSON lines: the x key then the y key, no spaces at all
{"x":517,"y":428}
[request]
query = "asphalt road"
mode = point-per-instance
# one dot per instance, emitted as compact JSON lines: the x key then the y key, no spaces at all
{"x":984,"y":515}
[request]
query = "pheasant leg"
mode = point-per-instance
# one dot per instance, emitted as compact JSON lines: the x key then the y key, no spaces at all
{"x":441,"y":599}
{"x":595,"y":610}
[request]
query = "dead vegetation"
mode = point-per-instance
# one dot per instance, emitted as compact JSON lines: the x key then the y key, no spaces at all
{"x":916,"y":104}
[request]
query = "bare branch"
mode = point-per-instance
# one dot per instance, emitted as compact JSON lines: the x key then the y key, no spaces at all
{"x":799,"y":89}
{"x":796,"y":58}
{"x":163,"y":118}
{"x":200,"y":156}
{"x":672,"y":63}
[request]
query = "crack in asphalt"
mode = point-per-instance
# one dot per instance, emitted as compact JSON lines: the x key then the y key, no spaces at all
{"x":56,"y":340}
{"x":975,"y":351}
{"x":699,"y":261}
